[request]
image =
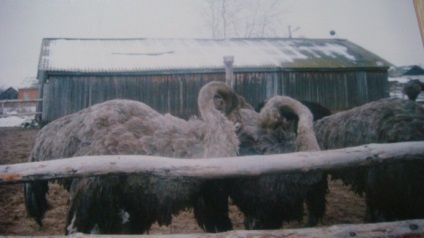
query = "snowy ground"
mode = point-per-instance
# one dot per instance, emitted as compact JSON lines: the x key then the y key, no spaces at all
{"x":10,"y":116}
{"x":14,"y":121}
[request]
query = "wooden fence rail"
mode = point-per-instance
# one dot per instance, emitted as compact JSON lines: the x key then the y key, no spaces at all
{"x":405,"y":229}
{"x":210,"y":168}
{"x":235,"y":166}
{"x":18,"y":105}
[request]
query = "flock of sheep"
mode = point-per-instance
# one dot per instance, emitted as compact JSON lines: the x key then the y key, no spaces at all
{"x":227,"y":127}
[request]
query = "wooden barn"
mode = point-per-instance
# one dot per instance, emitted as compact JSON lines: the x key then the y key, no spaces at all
{"x":168,"y":73}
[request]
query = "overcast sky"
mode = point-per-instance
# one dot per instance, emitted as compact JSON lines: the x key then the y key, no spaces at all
{"x":388,"y":28}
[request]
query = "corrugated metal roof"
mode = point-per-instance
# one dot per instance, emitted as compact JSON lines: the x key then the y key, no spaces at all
{"x":138,"y":55}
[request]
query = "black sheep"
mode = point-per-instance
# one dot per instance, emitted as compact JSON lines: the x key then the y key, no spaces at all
{"x":284,"y":125}
{"x":393,"y":191}
{"x":413,"y":88}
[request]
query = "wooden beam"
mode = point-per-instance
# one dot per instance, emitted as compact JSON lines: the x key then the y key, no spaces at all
{"x":408,"y":228}
{"x":20,"y":100}
{"x":210,"y":168}
{"x":20,"y":114}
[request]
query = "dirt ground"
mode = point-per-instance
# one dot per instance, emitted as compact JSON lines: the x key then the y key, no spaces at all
{"x":343,"y":207}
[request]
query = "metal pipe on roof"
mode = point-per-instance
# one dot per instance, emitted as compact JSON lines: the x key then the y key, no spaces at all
{"x":229,"y":76}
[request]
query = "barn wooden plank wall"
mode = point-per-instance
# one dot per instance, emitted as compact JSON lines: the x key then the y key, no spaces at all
{"x":336,"y":90}
{"x":177,"y":93}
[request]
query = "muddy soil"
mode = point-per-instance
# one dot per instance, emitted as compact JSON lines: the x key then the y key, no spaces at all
{"x":343,"y":207}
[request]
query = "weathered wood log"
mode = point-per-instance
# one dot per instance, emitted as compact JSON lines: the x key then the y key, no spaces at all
{"x":210,"y":168}
{"x":408,"y":228}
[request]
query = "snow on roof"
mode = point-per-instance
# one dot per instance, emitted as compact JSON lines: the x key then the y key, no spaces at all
{"x":123,"y":55}
{"x":29,"y":82}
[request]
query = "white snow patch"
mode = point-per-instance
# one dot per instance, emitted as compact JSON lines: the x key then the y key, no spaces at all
{"x":399,"y":80}
{"x":11,"y":118}
{"x":29,"y":82}
{"x":331,"y":50}
{"x":12,"y":121}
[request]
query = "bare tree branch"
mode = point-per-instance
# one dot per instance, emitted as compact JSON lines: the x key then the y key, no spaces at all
{"x":245,"y":18}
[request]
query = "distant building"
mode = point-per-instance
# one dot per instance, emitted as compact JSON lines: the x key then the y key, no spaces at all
{"x":167,"y":74}
{"x":405,"y":71}
{"x":9,"y":94}
{"x":28,"y":89}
